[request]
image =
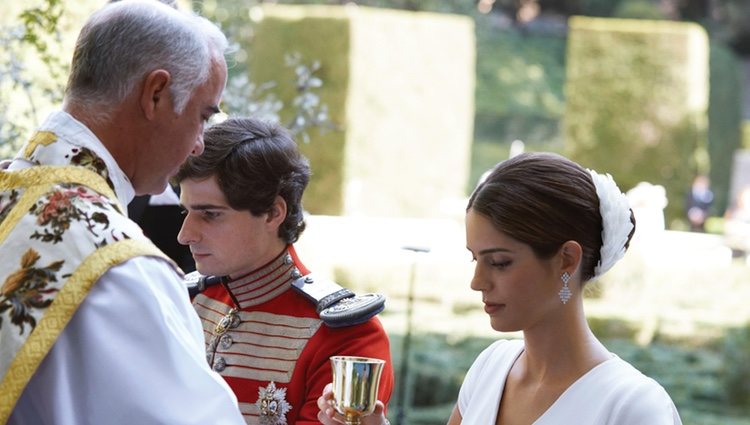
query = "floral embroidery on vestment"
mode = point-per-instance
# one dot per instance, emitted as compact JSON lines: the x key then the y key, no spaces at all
{"x":7,"y":202}
{"x":27,"y":288}
{"x":87,"y":158}
{"x":69,"y":203}
{"x":43,"y":211}
{"x":61,"y":193}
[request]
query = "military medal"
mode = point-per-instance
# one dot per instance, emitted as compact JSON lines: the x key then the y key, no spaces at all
{"x":272,"y":405}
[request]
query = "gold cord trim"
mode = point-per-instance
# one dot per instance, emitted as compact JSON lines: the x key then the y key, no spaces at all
{"x":72,"y":293}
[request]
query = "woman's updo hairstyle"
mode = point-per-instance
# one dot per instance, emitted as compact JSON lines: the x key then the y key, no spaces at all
{"x":544,"y":200}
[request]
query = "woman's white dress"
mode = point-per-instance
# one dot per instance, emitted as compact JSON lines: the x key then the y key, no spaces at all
{"x":612,"y":393}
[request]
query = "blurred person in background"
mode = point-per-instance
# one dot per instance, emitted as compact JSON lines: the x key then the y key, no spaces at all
{"x":698,"y":202}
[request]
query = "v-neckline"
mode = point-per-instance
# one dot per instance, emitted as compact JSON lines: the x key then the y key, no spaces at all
{"x":519,"y":350}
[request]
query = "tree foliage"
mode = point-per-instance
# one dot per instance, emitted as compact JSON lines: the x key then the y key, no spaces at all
{"x":31,"y":71}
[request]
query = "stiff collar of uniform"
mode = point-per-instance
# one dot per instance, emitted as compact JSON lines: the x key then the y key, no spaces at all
{"x":268,"y":281}
{"x":76,"y":133}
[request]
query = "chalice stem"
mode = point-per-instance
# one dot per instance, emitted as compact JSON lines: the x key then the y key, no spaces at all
{"x":352,"y":419}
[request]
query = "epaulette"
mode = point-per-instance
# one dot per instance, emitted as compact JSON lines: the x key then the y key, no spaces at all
{"x":337,"y":307}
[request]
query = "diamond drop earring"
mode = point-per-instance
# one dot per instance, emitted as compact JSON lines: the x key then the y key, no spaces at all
{"x":565,"y":293}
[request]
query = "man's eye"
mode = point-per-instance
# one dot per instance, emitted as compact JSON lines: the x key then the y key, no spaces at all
{"x":209,"y":215}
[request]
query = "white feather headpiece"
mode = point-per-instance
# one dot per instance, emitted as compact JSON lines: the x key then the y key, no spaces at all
{"x":616,"y":224}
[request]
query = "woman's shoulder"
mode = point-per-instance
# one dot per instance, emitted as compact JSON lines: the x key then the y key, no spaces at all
{"x":632,"y":394}
{"x":503,"y":346}
{"x":499,"y":351}
{"x":484,"y":380}
{"x":626,"y":376}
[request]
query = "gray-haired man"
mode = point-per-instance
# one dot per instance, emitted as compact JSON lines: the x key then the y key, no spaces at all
{"x":95,"y":323}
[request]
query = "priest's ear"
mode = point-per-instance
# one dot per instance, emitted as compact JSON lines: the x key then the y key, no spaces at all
{"x":155,"y":93}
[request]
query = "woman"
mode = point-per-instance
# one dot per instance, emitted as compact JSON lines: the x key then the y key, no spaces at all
{"x":539,"y":227}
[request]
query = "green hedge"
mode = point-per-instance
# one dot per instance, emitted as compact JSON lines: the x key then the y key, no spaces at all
{"x":404,"y":111}
{"x":323,"y":39}
{"x":636,"y":100}
{"x":724,"y":121}
{"x":519,"y":95}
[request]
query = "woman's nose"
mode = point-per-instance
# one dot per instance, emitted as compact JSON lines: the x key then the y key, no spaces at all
{"x":478,"y":281}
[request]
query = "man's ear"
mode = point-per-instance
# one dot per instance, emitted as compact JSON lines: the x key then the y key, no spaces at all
{"x":277,"y":213}
{"x":155,"y":93}
{"x":570,"y":256}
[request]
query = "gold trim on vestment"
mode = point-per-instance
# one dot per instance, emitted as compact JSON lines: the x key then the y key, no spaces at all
{"x":58,"y":314}
{"x":44,"y":138}
{"x":38,"y":181}
{"x":20,"y":210}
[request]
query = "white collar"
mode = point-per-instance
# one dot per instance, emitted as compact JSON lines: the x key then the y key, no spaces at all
{"x":76,"y":133}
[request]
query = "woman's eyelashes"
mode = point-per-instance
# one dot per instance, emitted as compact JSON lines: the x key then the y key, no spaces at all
{"x":500,"y":263}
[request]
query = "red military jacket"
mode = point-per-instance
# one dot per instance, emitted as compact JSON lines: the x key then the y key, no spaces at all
{"x":275,"y":352}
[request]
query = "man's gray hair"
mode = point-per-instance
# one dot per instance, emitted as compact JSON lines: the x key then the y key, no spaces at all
{"x":125,"y":40}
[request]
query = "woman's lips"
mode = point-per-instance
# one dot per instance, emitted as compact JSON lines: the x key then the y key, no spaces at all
{"x":493,"y":308}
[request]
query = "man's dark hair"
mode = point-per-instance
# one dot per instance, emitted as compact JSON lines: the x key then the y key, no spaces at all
{"x":254,"y":161}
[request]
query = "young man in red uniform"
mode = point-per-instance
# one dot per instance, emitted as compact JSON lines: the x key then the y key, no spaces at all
{"x":242,"y":199}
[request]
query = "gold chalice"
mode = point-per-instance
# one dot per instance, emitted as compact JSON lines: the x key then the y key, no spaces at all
{"x":355,"y":386}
